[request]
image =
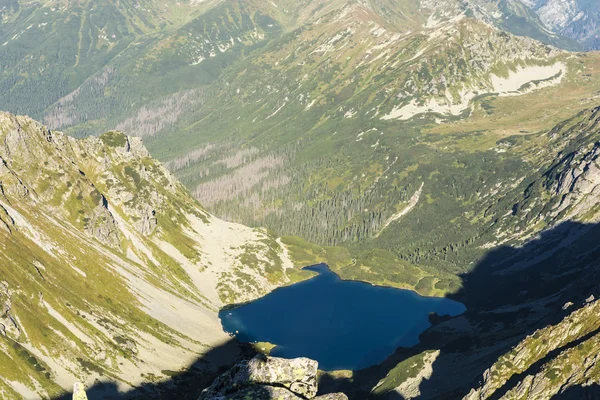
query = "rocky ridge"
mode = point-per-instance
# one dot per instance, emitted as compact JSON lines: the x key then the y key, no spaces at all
{"x":576,"y":19}
{"x":550,"y":362}
{"x":100,"y":216}
{"x":531,"y":329}
{"x":567,"y":185}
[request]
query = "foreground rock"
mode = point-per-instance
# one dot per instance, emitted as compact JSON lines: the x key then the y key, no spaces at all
{"x":266,"y":377}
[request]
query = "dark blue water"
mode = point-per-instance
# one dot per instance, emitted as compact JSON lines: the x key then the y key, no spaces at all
{"x":341,"y":324}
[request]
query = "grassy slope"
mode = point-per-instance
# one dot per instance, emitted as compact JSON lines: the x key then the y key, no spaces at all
{"x":104,"y":255}
{"x":460,"y":162}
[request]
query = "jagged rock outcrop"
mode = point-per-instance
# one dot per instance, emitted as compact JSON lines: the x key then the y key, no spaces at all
{"x":6,"y":221}
{"x":147,"y":220}
{"x":79,"y":391}
{"x":579,"y":182}
{"x":265,"y":377}
{"x":8,"y":325}
{"x":548,"y":362}
{"x":11,"y":184}
{"x":102,"y":226}
{"x":567,"y":185}
{"x":576,"y":19}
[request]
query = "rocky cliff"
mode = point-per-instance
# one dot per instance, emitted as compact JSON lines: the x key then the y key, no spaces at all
{"x":576,"y":19}
{"x":110,"y":271}
{"x":550,"y":363}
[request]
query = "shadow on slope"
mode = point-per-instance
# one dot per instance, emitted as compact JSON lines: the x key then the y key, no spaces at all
{"x":591,"y":392}
{"x":511,"y":293}
{"x":187,"y":384}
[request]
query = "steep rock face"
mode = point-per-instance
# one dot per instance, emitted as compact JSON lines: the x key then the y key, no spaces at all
{"x":576,"y":19}
{"x":572,"y":183}
{"x":102,"y":226}
{"x":110,"y":270}
{"x":266,"y":377}
{"x":8,"y":324}
{"x":579,"y":182}
{"x":565,"y":187}
{"x":550,"y":362}
{"x":557,"y":14}
{"x":516,"y":16}
{"x":6,"y":221}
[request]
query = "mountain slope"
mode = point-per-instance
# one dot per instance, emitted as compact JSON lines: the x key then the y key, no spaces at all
{"x":99,"y":60}
{"x":510,"y":15}
{"x":377,"y":126}
{"x":576,"y":19}
{"x":99,"y":216}
{"x":551,"y":362}
{"x":50,"y":48}
{"x":531,"y":328}
{"x":420,"y":146}
{"x":340,"y":124}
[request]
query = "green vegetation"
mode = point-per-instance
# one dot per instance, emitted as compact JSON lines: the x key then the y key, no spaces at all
{"x":87,"y":256}
{"x":114,"y":139}
{"x":408,"y":368}
{"x":286,"y":115}
{"x":263,"y":347}
{"x":273,"y":120}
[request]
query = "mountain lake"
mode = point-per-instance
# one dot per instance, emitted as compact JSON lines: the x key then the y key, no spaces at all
{"x":341,"y":324}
